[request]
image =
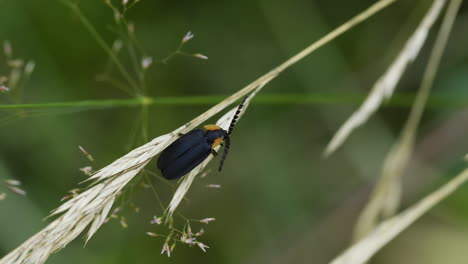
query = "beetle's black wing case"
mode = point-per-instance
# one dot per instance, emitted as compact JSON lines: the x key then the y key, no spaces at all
{"x":179,"y":147}
{"x":184,"y":154}
{"x":187,"y":161}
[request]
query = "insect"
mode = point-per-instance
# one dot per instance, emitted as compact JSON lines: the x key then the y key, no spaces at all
{"x":184,"y":154}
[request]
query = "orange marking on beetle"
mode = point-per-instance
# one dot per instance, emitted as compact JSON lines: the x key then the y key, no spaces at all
{"x":211,"y":127}
{"x":216,"y":142}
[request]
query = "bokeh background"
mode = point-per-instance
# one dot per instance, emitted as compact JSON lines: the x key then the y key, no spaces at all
{"x":280,"y":201}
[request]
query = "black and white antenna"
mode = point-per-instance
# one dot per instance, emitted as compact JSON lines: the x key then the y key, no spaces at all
{"x":227,"y":138}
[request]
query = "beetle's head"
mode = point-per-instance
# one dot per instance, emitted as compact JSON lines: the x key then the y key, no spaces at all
{"x":215,"y":135}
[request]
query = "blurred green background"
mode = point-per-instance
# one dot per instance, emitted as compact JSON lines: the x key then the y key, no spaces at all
{"x":280,"y":201}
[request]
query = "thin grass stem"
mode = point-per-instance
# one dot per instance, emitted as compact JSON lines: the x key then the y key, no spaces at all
{"x":398,"y":100}
{"x":102,"y":43}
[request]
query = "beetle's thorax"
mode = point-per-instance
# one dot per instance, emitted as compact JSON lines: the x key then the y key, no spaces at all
{"x":215,"y":137}
{"x":212,"y":135}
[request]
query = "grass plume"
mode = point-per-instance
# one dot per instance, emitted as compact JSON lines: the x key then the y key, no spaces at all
{"x":93,"y":205}
{"x":385,"y":198}
{"x":385,"y":85}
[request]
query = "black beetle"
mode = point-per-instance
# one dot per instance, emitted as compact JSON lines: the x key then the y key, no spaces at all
{"x":184,"y":154}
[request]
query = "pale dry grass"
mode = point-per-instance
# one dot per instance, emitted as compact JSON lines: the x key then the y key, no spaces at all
{"x":385,"y":198}
{"x":385,"y":85}
{"x":93,"y":205}
{"x":363,"y":250}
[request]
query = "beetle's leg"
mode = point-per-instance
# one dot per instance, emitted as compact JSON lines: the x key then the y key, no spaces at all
{"x":214,"y":152}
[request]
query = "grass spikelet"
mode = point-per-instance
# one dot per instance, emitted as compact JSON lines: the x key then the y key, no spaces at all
{"x":385,"y":85}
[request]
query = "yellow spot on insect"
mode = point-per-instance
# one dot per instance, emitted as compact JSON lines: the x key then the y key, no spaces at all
{"x":216,"y":142}
{"x":211,"y":127}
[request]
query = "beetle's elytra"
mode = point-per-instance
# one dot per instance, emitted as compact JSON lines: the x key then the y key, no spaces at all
{"x":184,"y":154}
{"x":188,"y":151}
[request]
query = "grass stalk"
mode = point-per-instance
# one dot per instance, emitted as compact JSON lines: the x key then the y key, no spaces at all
{"x":362,"y":251}
{"x":398,"y":100}
{"x":386,"y":84}
{"x":385,"y":198}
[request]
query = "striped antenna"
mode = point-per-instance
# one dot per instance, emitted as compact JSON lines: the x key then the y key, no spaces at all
{"x":236,"y":116}
{"x":227,"y":139}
